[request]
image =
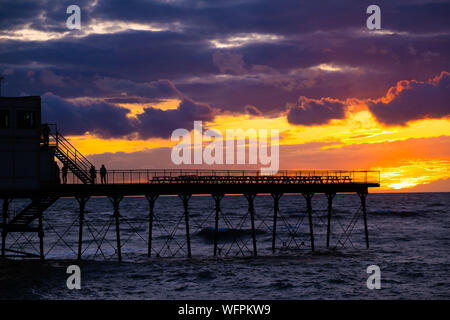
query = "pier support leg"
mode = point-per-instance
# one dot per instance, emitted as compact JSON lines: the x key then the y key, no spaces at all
{"x":185,"y":198}
{"x":41,"y":234}
{"x":5,"y":209}
{"x":82,"y":203}
{"x":251,"y":208}
{"x":151,"y":198}
{"x":363,"y":196}
{"x":116,"y":202}
{"x":217,"y":198}
{"x":276,"y":200}
{"x":308,"y":197}
{"x":330,"y":197}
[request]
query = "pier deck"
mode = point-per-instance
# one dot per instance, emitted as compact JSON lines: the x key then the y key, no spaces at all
{"x":175,"y":182}
{"x":184,"y":184}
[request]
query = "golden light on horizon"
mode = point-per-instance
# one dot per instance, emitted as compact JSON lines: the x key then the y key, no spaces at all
{"x":414,"y":173}
{"x":90,"y":144}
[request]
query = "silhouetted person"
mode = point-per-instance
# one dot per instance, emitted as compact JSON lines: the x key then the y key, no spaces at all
{"x":64,"y":170}
{"x":93,"y":173}
{"x":103,"y":173}
{"x":56,"y":173}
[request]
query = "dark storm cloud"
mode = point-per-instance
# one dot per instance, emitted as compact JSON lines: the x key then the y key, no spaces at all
{"x":161,"y":123}
{"x":412,"y":100}
{"x":102,"y":119}
{"x":19,"y":12}
{"x":310,"y":112}
{"x":154,"y":90}
{"x":44,"y":15}
{"x":137,"y":56}
{"x":110,"y":121}
{"x":266,"y":16}
{"x":229,"y":62}
{"x":269,"y":75}
{"x":223,"y":18}
{"x":149,"y":56}
{"x":417,"y":17}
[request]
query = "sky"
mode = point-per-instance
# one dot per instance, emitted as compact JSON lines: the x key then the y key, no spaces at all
{"x":342,"y":96}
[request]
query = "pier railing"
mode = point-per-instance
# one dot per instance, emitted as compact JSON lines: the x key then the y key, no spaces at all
{"x":171,"y":176}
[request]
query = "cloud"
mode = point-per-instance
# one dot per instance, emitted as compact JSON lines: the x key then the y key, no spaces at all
{"x":366,"y":155}
{"x":434,"y":186}
{"x":155,"y":158}
{"x":49,"y":78}
{"x":229,"y":62}
{"x":252,"y":111}
{"x":159,"y":89}
{"x":102,"y":119}
{"x":413,"y":100}
{"x":161,"y":123}
{"x":310,"y":112}
{"x":121,"y":66}
{"x":223,"y":17}
{"x":110,"y":121}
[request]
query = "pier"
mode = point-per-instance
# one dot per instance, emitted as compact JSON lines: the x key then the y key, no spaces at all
{"x":36,"y":147}
{"x":184,"y":184}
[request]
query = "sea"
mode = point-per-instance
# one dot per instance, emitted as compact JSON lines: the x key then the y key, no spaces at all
{"x":409,"y":237}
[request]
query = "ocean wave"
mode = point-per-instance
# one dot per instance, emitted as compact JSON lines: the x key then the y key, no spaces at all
{"x":396,"y":213}
{"x":226,"y":233}
{"x":435,"y":204}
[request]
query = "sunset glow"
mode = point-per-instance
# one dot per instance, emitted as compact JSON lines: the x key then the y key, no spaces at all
{"x":341,"y":95}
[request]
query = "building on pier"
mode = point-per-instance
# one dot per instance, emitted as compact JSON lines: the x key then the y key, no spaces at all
{"x":26,"y":161}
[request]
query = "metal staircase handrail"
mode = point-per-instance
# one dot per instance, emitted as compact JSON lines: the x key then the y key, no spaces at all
{"x":77,"y":157}
{"x":68,"y":149}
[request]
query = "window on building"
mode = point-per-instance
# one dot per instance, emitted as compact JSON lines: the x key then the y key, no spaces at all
{"x":26,"y":119}
{"x":4,"y":119}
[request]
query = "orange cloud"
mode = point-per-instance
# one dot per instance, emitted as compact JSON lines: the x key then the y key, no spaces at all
{"x":413,"y":100}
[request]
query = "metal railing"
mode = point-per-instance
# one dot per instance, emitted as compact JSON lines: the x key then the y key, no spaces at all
{"x":153,"y":176}
{"x":65,"y":147}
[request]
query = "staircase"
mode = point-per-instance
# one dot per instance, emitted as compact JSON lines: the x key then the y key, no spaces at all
{"x":71,"y":157}
{"x":21,"y":222}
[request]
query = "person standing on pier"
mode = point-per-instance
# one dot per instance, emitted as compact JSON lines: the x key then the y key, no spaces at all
{"x":93,"y":173}
{"x":64,"y":170}
{"x":56,"y":172}
{"x":103,"y":173}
